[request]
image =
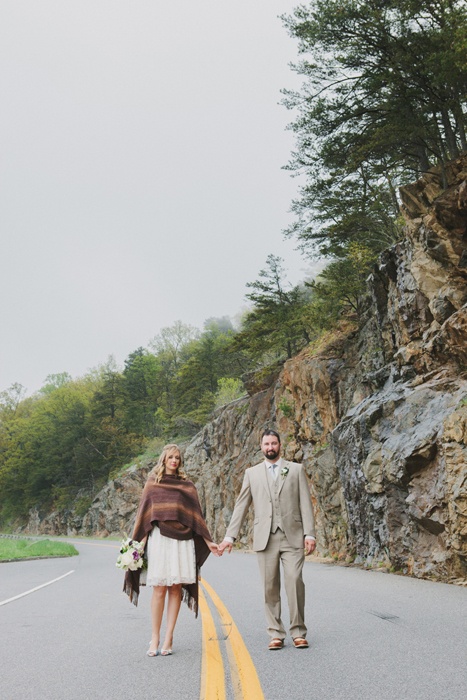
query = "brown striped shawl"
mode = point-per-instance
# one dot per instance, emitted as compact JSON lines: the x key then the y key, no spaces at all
{"x":174,"y":506}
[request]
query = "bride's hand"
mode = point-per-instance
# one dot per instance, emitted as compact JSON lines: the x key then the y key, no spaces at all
{"x":214,"y":548}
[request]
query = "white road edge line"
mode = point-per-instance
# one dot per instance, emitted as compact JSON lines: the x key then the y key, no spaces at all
{"x":21,"y":595}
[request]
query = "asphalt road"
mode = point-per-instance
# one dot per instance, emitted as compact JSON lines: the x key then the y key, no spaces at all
{"x":372,"y":635}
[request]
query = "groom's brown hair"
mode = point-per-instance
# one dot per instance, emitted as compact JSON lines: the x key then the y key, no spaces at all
{"x":271,"y":432}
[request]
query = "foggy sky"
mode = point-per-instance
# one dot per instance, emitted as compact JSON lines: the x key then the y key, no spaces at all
{"x":141,"y":152}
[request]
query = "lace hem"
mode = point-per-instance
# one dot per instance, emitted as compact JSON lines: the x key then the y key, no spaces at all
{"x":169,"y":581}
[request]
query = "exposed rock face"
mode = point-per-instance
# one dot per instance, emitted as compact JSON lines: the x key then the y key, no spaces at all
{"x":112,"y":512}
{"x":114,"y":508}
{"x":378,"y":416}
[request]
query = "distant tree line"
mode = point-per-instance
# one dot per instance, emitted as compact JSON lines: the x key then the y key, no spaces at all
{"x":65,"y":441}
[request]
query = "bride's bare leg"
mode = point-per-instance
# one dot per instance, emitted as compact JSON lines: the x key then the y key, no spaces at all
{"x":157,"y":610}
{"x":173,"y":608}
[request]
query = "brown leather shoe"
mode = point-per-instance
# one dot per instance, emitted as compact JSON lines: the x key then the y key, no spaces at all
{"x":276,"y":643}
{"x":300,"y":643}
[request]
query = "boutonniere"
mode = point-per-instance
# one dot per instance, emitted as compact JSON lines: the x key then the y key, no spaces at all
{"x":284,"y":472}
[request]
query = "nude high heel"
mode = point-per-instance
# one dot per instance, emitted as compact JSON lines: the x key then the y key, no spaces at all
{"x":167,"y":652}
{"x":152,"y":652}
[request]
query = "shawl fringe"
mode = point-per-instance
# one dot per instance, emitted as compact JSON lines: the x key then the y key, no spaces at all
{"x":131,"y":592}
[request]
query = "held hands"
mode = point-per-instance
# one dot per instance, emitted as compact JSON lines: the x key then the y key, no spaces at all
{"x":224,"y":545}
{"x":214,"y":549}
{"x":218,"y":549}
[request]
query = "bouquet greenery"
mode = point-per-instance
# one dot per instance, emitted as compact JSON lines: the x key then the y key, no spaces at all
{"x":131,"y":555}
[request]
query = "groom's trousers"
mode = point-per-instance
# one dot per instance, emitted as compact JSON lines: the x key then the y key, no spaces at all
{"x":279,"y":550}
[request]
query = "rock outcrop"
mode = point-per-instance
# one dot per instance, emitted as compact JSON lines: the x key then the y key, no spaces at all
{"x":112,"y":511}
{"x":378,"y":415}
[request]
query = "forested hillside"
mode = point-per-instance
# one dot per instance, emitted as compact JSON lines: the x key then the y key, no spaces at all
{"x":66,"y":440}
{"x":382,"y":101}
{"x":60,"y":446}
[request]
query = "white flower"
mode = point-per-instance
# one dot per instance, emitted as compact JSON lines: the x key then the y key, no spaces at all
{"x":127,"y":559}
{"x":138,"y":546}
{"x":284,"y":472}
{"x":131,"y":555}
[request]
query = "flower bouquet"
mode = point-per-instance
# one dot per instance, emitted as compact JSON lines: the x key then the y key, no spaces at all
{"x":131,"y":555}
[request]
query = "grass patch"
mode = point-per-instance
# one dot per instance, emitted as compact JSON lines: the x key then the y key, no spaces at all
{"x":331,"y":340}
{"x":23,"y":549}
{"x":285,"y":406}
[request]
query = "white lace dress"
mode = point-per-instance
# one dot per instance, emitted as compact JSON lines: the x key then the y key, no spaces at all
{"x":169,"y":561}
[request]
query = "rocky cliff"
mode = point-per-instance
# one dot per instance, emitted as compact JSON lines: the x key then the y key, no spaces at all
{"x":378,"y":415}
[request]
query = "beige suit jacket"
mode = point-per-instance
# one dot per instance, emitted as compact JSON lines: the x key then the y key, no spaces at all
{"x":294,"y":502}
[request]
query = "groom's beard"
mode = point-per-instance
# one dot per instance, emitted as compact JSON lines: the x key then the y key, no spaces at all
{"x":271,"y":454}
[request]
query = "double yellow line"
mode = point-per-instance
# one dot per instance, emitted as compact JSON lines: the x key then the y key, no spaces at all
{"x":245,"y":681}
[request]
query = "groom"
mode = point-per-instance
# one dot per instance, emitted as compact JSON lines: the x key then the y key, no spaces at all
{"x":283,"y":529}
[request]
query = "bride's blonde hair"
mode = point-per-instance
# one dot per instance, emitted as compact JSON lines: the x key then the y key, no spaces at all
{"x":159,"y":470}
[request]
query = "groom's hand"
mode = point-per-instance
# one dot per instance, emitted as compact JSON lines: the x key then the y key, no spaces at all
{"x":310,"y":545}
{"x":225,"y":545}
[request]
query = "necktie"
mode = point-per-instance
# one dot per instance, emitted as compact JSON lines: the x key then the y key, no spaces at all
{"x":273,"y":471}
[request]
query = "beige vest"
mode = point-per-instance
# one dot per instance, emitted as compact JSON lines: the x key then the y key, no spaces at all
{"x":276,"y":521}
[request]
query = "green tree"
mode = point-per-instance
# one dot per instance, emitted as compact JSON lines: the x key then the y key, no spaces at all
{"x":43,"y":466}
{"x":55,"y":381}
{"x":62,"y":442}
{"x":209,"y":358}
{"x":141,"y":384}
{"x":108,"y":442}
{"x":384,"y":95}
{"x":14,"y":409}
{"x":171,"y":347}
{"x":10,"y":399}
{"x":339,"y":289}
{"x":228,"y":389}
{"x":277,"y":324}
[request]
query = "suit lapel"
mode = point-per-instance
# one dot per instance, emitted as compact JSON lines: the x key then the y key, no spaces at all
{"x":281,"y":478}
{"x":265,"y":479}
{"x":262,"y":475}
